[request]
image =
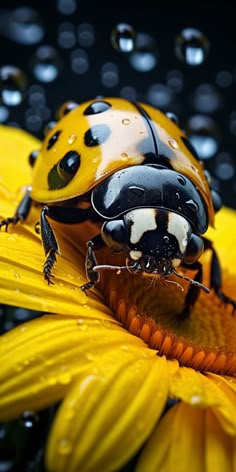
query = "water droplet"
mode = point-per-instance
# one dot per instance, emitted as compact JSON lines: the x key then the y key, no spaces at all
{"x":123,"y":38}
{"x":66,"y":7}
{"x":36,"y":96}
{"x":72,"y":138}
{"x":29,"y":419}
{"x":124,"y":156}
{"x":192,"y":205}
{"x":64,"y":446}
{"x":79,"y":61}
{"x":110,"y":74}
{"x":4,"y":114}
{"x":13,"y":85}
{"x":66,"y":35}
{"x":173,"y":143}
{"x":224,"y":78}
{"x":195,"y":399}
{"x":33,"y":120}
{"x":159,"y":95}
{"x":206,"y":98}
{"x":86,"y":35}
{"x":128,"y":92}
{"x":203,"y":134}
{"x":224,"y":167}
{"x":232,"y":122}
{"x":23,"y":25}
{"x":46,"y":63}
{"x":174,"y":80}
{"x":191,"y":46}
{"x":173,"y":117}
{"x":126,"y":121}
{"x":145,"y":56}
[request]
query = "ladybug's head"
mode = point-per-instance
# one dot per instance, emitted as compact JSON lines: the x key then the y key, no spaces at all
{"x":155,"y":240}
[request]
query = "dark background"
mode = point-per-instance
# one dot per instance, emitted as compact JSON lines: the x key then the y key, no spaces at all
{"x":162,"y":20}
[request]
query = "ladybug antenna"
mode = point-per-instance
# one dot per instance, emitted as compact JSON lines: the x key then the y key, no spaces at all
{"x":193,"y":282}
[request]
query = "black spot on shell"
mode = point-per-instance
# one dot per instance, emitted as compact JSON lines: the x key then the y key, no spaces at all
{"x":97,"y":107}
{"x":32,"y":157}
{"x":96,"y":135}
{"x":64,"y":171}
{"x":53,"y":139}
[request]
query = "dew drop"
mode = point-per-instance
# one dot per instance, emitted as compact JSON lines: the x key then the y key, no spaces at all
{"x":79,"y":61}
{"x":206,"y":98}
{"x":109,"y":74}
{"x":126,"y":121}
{"x":46,"y":63}
{"x":123,"y":37}
{"x":66,"y":35}
{"x":23,"y":25}
{"x":145,"y":55}
{"x":66,"y":7}
{"x":64,"y":446}
{"x":174,"y":80}
{"x":4,"y":114}
{"x":191,"y":46}
{"x":159,"y":95}
{"x":13,"y":85}
{"x":29,"y":419}
{"x":224,"y":167}
{"x":124,"y":156}
{"x":72,"y":138}
{"x":203,"y":134}
{"x":173,"y":143}
{"x":86,"y":35}
{"x":224,"y":79}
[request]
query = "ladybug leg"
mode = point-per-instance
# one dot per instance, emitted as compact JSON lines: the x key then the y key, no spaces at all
{"x":50,"y":245}
{"x":21,"y":212}
{"x":51,"y":248}
{"x":193,"y":291}
{"x":215,"y":276}
{"x":91,"y":261}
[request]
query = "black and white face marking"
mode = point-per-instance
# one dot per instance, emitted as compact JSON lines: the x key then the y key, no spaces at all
{"x":158,"y":239}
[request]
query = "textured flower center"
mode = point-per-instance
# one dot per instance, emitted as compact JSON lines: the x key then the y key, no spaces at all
{"x":151,"y":309}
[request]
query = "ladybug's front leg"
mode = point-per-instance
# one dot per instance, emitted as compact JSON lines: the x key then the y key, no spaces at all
{"x":21,"y":212}
{"x":91,"y":262}
{"x":50,"y":245}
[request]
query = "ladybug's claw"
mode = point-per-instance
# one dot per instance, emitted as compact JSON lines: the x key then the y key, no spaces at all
{"x":7,"y":221}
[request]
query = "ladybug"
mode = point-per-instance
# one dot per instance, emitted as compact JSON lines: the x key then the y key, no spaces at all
{"x":141,"y":180}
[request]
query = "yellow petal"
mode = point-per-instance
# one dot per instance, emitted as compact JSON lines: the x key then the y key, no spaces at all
{"x":177,"y":444}
{"x":16,"y":146}
{"x":108,"y":414}
{"x":41,"y":358}
{"x":188,"y":438}
{"x":220,"y":448}
{"x":202,"y":391}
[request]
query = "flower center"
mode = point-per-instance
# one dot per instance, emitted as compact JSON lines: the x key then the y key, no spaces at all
{"x":151,"y":308}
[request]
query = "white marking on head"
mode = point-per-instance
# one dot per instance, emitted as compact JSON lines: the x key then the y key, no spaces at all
{"x":135,"y":255}
{"x":143,"y":220}
{"x":180,"y":228}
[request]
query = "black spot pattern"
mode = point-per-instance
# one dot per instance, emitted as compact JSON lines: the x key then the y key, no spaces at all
{"x":97,"y":107}
{"x":32,"y":157}
{"x":53,"y":139}
{"x":96,"y":135}
{"x":64,"y":171}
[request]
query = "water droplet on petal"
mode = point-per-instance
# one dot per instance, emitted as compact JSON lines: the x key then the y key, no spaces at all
{"x":123,"y":38}
{"x":64,"y":446}
{"x":13,"y":85}
{"x":191,"y":46}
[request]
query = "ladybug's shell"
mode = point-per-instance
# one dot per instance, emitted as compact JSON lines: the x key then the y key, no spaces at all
{"x":134,"y":134}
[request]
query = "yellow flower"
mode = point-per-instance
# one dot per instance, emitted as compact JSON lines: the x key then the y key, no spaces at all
{"x":116,"y":356}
